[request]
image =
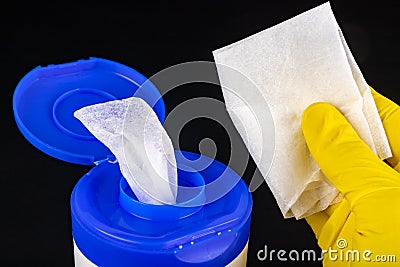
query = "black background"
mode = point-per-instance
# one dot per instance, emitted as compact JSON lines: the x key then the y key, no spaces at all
{"x":149,"y":37}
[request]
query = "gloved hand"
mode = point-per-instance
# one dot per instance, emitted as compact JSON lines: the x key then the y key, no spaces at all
{"x":367,"y":220}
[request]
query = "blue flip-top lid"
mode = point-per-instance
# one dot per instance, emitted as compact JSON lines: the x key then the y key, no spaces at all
{"x":46,"y":98}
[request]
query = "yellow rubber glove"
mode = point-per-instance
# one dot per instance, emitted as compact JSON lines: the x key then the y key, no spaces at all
{"x":367,"y":220}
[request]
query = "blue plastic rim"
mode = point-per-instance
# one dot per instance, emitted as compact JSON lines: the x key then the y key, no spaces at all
{"x":46,"y":98}
{"x":111,"y":233}
{"x":188,"y":201}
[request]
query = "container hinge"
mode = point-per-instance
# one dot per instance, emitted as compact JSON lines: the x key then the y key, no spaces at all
{"x":110,"y":158}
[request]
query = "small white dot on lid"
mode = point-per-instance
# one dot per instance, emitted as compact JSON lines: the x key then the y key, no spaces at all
{"x":219,"y":233}
{"x":191,"y":243}
{"x":180,"y":246}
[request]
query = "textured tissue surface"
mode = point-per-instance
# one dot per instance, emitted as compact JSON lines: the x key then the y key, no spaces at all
{"x":294,"y":64}
{"x":132,"y":131}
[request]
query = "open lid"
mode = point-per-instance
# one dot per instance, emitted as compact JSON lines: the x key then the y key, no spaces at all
{"x":46,"y":98}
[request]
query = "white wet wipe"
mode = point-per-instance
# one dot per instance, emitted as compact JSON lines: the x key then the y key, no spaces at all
{"x":294,"y":64}
{"x":131,"y":130}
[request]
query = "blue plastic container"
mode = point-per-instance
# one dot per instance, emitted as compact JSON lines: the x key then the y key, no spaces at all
{"x":109,"y":225}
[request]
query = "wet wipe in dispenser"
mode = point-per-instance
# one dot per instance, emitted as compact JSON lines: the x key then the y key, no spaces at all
{"x":178,"y":221}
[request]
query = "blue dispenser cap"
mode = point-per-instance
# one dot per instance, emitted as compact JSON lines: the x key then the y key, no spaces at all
{"x":46,"y":98}
{"x":111,"y":228}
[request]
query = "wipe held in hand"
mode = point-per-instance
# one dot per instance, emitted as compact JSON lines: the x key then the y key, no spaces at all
{"x":294,"y":64}
{"x":132,"y":131}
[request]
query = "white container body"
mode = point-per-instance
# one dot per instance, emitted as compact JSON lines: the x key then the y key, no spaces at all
{"x":82,"y":261}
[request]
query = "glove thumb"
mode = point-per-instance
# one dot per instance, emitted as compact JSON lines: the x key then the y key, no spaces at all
{"x":343,"y":157}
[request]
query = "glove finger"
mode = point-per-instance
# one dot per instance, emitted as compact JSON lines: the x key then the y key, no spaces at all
{"x":317,"y":222}
{"x":342,"y":156}
{"x":319,"y":219}
{"x":390,"y":116}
